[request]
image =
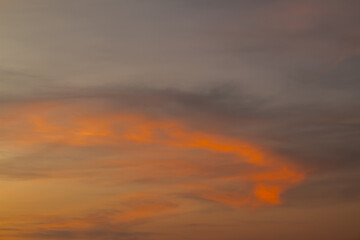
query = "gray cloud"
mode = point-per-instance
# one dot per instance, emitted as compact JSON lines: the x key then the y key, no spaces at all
{"x":317,"y":135}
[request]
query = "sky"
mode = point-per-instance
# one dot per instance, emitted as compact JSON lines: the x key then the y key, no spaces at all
{"x":173,"y":120}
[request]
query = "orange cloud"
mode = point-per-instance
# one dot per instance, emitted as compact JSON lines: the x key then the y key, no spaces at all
{"x":71,"y":125}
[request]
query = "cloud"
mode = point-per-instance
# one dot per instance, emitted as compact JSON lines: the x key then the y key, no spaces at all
{"x":42,"y":126}
{"x":122,"y":119}
{"x":91,"y":234}
{"x":176,"y":109}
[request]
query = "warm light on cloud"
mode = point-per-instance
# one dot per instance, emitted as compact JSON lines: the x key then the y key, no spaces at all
{"x":269,"y":177}
{"x":173,"y":120}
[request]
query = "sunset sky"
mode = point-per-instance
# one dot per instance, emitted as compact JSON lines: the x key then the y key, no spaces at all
{"x":179,"y":119}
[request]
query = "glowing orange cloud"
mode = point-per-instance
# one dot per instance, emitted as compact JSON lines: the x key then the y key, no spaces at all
{"x":42,"y":124}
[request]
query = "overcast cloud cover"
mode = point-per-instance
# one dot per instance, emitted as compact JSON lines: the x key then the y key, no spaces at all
{"x":168,"y":119}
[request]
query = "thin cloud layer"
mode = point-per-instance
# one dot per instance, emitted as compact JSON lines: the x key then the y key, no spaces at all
{"x":158,"y":120}
{"x":41,"y":127}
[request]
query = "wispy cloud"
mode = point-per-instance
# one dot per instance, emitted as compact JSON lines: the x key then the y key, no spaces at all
{"x":119,"y":119}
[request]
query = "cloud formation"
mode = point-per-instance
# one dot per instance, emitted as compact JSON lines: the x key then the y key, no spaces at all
{"x":179,"y":120}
